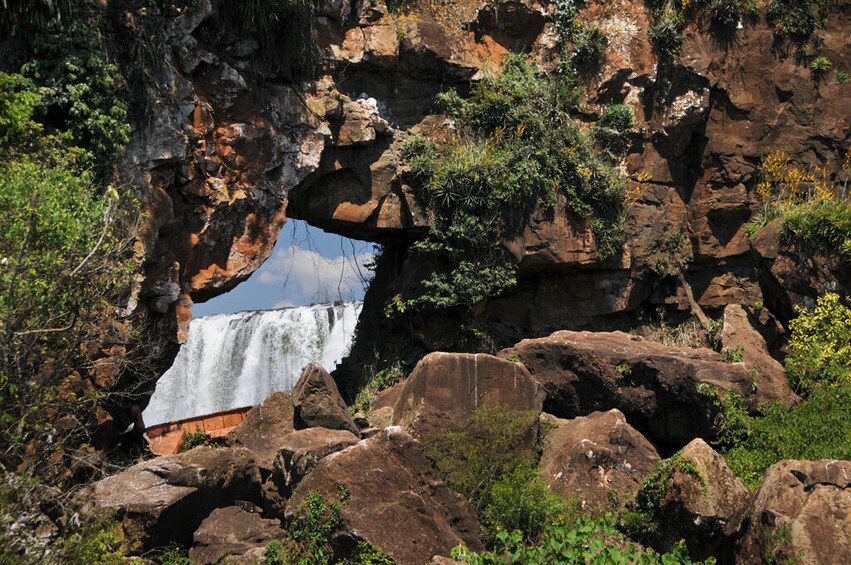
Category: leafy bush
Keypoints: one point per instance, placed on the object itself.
(667, 32)
(95, 544)
(194, 439)
(818, 428)
(520, 500)
(820, 66)
(795, 18)
(613, 130)
(381, 380)
(730, 11)
(311, 530)
(587, 541)
(518, 149)
(820, 345)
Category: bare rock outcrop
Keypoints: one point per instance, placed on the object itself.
(318, 403)
(654, 385)
(445, 389)
(393, 500)
(599, 458)
(164, 500)
(740, 333)
(231, 532)
(299, 454)
(700, 497)
(801, 513)
(264, 428)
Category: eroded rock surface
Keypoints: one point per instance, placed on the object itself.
(702, 496)
(445, 389)
(393, 500)
(317, 402)
(655, 386)
(232, 532)
(164, 500)
(600, 459)
(800, 511)
(264, 428)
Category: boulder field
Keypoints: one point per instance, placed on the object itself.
(230, 502)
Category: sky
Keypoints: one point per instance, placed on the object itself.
(307, 266)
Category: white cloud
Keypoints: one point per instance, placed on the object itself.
(306, 276)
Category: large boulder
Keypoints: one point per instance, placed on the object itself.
(740, 333)
(698, 497)
(299, 453)
(600, 459)
(657, 387)
(264, 428)
(164, 500)
(318, 403)
(445, 389)
(230, 532)
(801, 513)
(393, 500)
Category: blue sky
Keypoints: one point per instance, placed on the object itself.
(306, 266)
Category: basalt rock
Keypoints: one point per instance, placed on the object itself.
(393, 500)
(800, 512)
(164, 500)
(701, 496)
(264, 428)
(232, 532)
(658, 388)
(318, 403)
(599, 459)
(445, 389)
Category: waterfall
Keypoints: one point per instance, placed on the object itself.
(235, 360)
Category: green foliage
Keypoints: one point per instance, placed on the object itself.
(732, 420)
(194, 439)
(581, 44)
(492, 463)
(667, 32)
(818, 428)
(520, 500)
(824, 225)
(34, 16)
(730, 11)
(796, 18)
(367, 554)
(734, 354)
(381, 380)
(174, 555)
(274, 553)
(95, 544)
(640, 520)
(19, 101)
(311, 531)
(820, 346)
(586, 541)
(518, 150)
(820, 66)
(841, 76)
(78, 92)
(614, 129)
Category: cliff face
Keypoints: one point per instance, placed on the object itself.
(228, 150)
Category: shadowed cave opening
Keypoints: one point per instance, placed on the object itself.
(302, 305)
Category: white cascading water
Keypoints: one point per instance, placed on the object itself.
(236, 360)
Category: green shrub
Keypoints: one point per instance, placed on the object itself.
(274, 553)
(841, 76)
(381, 380)
(667, 32)
(367, 554)
(475, 459)
(194, 439)
(311, 530)
(820, 66)
(518, 150)
(520, 500)
(19, 100)
(586, 541)
(734, 354)
(795, 18)
(818, 428)
(94, 544)
(730, 11)
(174, 555)
(820, 345)
(613, 130)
